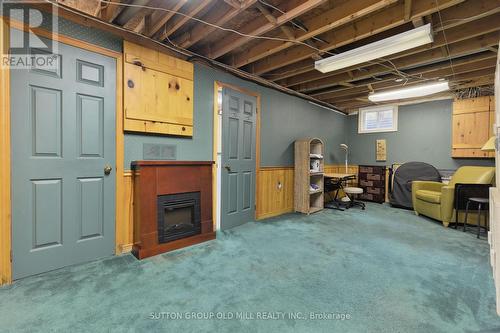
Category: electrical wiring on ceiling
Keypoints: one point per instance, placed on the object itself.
(286, 40)
(445, 39)
(392, 68)
(197, 57)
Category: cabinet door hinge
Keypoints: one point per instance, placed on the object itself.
(11, 256)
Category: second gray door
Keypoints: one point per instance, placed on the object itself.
(238, 158)
(63, 138)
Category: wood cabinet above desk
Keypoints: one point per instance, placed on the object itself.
(472, 126)
(158, 92)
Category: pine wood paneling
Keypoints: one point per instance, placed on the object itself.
(125, 225)
(273, 200)
(480, 104)
(158, 92)
(472, 126)
(121, 185)
(5, 200)
(274, 191)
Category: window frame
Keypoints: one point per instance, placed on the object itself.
(378, 108)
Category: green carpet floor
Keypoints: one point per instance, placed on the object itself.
(379, 270)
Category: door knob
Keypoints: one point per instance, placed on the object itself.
(107, 169)
(227, 167)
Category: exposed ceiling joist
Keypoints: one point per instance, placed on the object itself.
(465, 32)
(315, 80)
(467, 11)
(179, 20)
(407, 14)
(257, 28)
(458, 18)
(269, 16)
(354, 106)
(337, 16)
(455, 79)
(110, 11)
(462, 49)
(163, 17)
(217, 17)
(462, 65)
(362, 28)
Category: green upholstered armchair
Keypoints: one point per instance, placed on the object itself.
(435, 200)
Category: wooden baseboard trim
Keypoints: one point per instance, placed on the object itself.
(126, 248)
(274, 214)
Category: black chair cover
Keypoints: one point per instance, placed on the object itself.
(400, 195)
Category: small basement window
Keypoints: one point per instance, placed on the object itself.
(378, 119)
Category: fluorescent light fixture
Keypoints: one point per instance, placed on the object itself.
(398, 43)
(410, 92)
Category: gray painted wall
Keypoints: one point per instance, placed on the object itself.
(424, 134)
(424, 129)
(284, 119)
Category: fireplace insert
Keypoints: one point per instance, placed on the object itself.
(178, 216)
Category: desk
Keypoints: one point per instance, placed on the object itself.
(340, 176)
(339, 179)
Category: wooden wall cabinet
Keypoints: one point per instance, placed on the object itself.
(472, 126)
(158, 92)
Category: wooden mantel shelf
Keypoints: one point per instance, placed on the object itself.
(136, 164)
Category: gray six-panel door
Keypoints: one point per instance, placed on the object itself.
(238, 158)
(63, 137)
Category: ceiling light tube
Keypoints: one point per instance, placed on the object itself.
(410, 92)
(398, 43)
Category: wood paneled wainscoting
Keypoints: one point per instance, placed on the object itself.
(275, 188)
(275, 191)
(274, 197)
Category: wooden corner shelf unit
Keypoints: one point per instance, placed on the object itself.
(309, 168)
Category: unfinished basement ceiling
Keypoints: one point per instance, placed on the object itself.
(289, 35)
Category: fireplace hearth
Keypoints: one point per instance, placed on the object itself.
(178, 216)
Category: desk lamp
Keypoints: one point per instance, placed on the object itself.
(345, 147)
